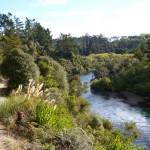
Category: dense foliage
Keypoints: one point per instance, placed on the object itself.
(36, 40)
(126, 72)
(55, 114)
(52, 73)
(54, 120)
(100, 44)
(136, 79)
(19, 68)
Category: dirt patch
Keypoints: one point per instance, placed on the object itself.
(7, 142)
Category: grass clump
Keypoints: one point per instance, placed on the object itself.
(53, 116)
(131, 130)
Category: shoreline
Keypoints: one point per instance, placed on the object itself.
(134, 99)
(128, 98)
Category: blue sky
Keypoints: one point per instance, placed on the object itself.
(107, 17)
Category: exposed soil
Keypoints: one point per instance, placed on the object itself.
(7, 142)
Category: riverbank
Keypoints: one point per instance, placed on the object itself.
(127, 97)
(115, 107)
(134, 100)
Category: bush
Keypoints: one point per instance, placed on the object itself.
(67, 64)
(95, 122)
(19, 67)
(131, 130)
(107, 124)
(53, 74)
(75, 86)
(53, 116)
(76, 105)
(103, 84)
(47, 76)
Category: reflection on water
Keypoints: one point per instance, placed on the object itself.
(110, 106)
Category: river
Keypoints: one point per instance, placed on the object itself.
(110, 106)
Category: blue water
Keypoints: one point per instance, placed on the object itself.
(110, 106)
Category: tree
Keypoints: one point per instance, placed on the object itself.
(29, 24)
(103, 84)
(9, 43)
(18, 27)
(46, 75)
(18, 67)
(6, 24)
(75, 86)
(43, 37)
(66, 46)
(53, 74)
(32, 48)
(101, 71)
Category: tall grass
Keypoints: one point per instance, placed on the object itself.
(54, 120)
(24, 101)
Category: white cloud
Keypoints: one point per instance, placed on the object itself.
(48, 2)
(131, 20)
(58, 14)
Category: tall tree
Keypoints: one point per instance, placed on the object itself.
(29, 24)
(9, 43)
(66, 47)
(18, 27)
(43, 37)
(6, 24)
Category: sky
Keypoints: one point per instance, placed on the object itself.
(78, 17)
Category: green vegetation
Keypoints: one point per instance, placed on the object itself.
(103, 84)
(54, 120)
(75, 86)
(18, 67)
(55, 114)
(52, 73)
(127, 72)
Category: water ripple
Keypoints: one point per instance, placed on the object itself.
(112, 108)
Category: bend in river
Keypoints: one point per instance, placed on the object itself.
(112, 107)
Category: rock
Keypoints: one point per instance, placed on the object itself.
(132, 98)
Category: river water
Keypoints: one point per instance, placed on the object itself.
(110, 106)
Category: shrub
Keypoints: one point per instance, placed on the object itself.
(53, 116)
(19, 67)
(103, 84)
(67, 64)
(54, 125)
(47, 76)
(131, 130)
(95, 122)
(75, 86)
(76, 105)
(53, 73)
(107, 124)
